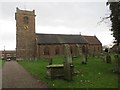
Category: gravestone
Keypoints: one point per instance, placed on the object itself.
(108, 58)
(67, 63)
(84, 59)
(117, 61)
(79, 49)
(83, 56)
(50, 61)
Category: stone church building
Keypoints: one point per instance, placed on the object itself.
(35, 45)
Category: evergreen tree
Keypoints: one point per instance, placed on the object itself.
(115, 19)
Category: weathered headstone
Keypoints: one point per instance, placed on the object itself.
(79, 49)
(68, 54)
(84, 61)
(67, 63)
(86, 57)
(83, 56)
(117, 61)
(108, 58)
(50, 61)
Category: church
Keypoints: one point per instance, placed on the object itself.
(30, 44)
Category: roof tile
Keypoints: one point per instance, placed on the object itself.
(60, 38)
(92, 40)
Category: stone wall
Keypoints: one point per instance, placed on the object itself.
(52, 49)
(91, 49)
(94, 49)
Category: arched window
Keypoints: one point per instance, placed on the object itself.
(57, 50)
(46, 51)
(25, 20)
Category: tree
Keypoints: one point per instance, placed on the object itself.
(115, 19)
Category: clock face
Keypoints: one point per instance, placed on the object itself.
(26, 27)
(25, 22)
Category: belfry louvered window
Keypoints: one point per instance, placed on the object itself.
(25, 20)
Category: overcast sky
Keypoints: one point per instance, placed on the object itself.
(57, 18)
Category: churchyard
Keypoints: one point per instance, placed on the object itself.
(96, 73)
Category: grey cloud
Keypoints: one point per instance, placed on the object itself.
(73, 14)
(7, 37)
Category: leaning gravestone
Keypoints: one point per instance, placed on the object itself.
(67, 63)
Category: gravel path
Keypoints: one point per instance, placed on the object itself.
(15, 76)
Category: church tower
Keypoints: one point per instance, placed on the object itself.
(25, 34)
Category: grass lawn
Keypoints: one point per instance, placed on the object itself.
(1, 62)
(95, 74)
